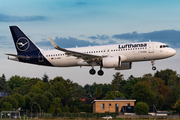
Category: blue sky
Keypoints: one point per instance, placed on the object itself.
(89, 22)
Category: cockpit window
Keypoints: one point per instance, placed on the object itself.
(164, 46)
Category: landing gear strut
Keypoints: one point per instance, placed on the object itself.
(92, 71)
(153, 67)
(100, 72)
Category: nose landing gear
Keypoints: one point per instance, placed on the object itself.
(153, 67)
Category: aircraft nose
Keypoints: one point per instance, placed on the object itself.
(173, 52)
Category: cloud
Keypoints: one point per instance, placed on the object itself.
(166, 36)
(100, 37)
(67, 42)
(7, 18)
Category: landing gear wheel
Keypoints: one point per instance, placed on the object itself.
(100, 72)
(153, 68)
(92, 71)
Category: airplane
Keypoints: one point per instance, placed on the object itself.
(117, 56)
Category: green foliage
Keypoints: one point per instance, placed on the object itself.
(6, 106)
(76, 106)
(27, 99)
(10, 100)
(79, 91)
(87, 108)
(49, 95)
(57, 102)
(20, 99)
(116, 81)
(40, 99)
(39, 87)
(52, 109)
(177, 106)
(45, 78)
(16, 81)
(160, 102)
(58, 110)
(141, 108)
(58, 90)
(143, 93)
(3, 83)
(66, 109)
(111, 95)
(169, 76)
(162, 89)
(99, 92)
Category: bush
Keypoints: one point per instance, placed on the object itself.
(141, 108)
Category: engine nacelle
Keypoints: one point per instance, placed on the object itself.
(113, 61)
(124, 66)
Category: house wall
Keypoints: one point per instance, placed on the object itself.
(107, 108)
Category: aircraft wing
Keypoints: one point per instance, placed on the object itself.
(79, 55)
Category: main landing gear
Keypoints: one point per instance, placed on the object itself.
(92, 71)
(153, 67)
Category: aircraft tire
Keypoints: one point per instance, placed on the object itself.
(100, 72)
(153, 68)
(92, 71)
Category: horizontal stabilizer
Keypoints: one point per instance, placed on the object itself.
(18, 56)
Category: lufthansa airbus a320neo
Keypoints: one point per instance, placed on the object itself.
(118, 56)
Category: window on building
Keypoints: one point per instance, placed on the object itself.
(102, 106)
(2, 94)
(109, 104)
(117, 105)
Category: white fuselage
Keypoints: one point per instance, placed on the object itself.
(133, 52)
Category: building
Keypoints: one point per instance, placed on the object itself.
(102, 106)
(2, 94)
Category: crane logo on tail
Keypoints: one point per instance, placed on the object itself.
(22, 44)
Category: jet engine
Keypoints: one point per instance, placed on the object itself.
(113, 61)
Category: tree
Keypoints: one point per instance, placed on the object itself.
(99, 92)
(20, 99)
(169, 76)
(3, 83)
(66, 109)
(15, 82)
(58, 90)
(111, 95)
(6, 106)
(56, 102)
(160, 102)
(143, 93)
(39, 87)
(177, 106)
(128, 90)
(52, 109)
(49, 95)
(45, 78)
(141, 108)
(76, 105)
(42, 100)
(27, 99)
(10, 100)
(116, 81)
